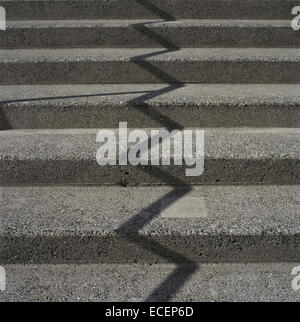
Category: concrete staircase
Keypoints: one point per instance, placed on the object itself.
(72, 230)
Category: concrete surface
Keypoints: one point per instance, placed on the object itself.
(192, 240)
(69, 156)
(166, 9)
(94, 224)
(149, 33)
(152, 65)
(136, 282)
(149, 105)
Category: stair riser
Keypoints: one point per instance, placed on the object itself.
(206, 71)
(149, 36)
(167, 9)
(149, 249)
(89, 172)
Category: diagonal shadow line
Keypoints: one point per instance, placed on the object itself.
(151, 112)
(139, 60)
(69, 97)
(130, 229)
(166, 290)
(135, 103)
(153, 8)
(141, 27)
(178, 277)
(180, 192)
(141, 99)
(155, 71)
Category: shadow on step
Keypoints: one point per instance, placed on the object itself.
(101, 248)
(4, 123)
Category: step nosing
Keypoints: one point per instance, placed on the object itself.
(154, 54)
(151, 22)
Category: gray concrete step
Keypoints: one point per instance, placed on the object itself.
(152, 65)
(69, 156)
(149, 33)
(94, 224)
(142, 282)
(164, 9)
(149, 105)
(77, 227)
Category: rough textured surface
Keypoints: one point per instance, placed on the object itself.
(58, 67)
(166, 9)
(149, 105)
(149, 33)
(152, 65)
(69, 156)
(114, 224)
(134, 282)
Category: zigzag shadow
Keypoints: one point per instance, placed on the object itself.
(173, 283)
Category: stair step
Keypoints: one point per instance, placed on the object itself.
(164, 9)
(149, 105)
(204, 65)
(94, 224)
(73, 230)
(149, 33)
(144, 282)
(69, 156)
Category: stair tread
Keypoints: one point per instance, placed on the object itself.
(149, 54)
(240, 210)
(123, 94)
(220, 143)
(141, 282)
